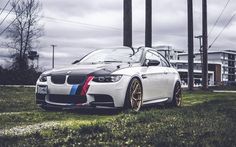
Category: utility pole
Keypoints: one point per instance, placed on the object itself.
(200, 51)
(190, 44)
(205, 45)
(53, 47)
(148, 24)
(127, 34)
(200, 48)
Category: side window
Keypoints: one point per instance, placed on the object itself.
(152, 56)
(164, 62)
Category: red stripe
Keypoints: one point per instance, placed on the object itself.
(86, 86)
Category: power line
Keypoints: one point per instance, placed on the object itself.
(8, 13)
(92, 26)
(14, 19)
(226, 25)
(4, 7)
(83, 24)
(8, 26)
(6, 16)
(217, 20)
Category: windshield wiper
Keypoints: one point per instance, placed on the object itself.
(135, 52)
(76, 61)
(132, 50)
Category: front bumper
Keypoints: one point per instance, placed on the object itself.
(99, 95)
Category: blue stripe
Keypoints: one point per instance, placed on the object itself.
(74, 89)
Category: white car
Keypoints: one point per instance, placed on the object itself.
(111, 78)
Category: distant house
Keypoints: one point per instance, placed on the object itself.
(214, 74)
(221, 65)
(227, 60)
(169, 52)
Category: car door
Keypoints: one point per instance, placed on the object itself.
(153, 78)
(169, 77)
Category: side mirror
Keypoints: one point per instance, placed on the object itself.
(152, 62)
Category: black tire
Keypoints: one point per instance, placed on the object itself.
(134, 95)
(177, 96)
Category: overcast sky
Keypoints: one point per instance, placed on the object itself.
(83, 25)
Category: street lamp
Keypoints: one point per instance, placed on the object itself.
(53, 47)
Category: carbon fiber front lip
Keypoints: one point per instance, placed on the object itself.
(69, 107)
(65, 104)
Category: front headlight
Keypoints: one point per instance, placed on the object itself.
(110, 78)
(43, 78)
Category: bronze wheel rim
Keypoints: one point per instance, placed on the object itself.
(136, 95)
(178, 95)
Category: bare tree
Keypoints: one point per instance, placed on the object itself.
(24, 32)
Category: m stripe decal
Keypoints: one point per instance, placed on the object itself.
(74, 89)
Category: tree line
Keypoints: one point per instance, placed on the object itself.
(22, 38)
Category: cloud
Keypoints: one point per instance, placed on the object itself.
(4, 53)
(82, 26)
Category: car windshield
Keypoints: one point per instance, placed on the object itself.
(113, 55)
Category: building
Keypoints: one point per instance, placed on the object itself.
(169, 52)
(221, 65)
(214, 76)
(226, 58)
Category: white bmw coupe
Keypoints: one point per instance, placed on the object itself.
(111, 78)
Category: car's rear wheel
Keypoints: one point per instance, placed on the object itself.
(134, 95)
(177, 96)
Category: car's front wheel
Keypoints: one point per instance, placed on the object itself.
(134, 95)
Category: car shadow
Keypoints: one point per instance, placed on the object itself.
(154, 106)
(107, 111)
(94, 111)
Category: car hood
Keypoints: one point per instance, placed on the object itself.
(89, 69)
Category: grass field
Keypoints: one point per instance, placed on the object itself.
(206, 119)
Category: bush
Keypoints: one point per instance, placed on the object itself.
(18, 77)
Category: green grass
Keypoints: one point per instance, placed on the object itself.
(17, 99)
(205, 119)
(18, 108)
